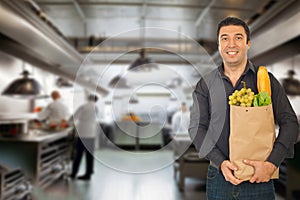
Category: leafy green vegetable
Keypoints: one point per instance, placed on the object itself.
(268, 101)
(255, 101)
(262, 99)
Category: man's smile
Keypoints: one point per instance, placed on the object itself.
(232, 52)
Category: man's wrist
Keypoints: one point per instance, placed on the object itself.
(271, 165)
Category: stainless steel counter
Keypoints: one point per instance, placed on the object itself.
(36, 135)
(17, 116)
(44, 156)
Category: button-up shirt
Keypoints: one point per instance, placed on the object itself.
(283, 114)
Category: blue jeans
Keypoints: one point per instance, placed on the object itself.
(217, 188)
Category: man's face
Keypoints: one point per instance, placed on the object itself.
(183, 108)
(233, 45)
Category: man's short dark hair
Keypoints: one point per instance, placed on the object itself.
(236, 22)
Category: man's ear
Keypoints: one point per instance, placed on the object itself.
(249, 44)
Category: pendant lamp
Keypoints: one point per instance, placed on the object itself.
(140, 64)
(23, 87)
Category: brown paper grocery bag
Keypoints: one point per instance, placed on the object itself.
(252, 135)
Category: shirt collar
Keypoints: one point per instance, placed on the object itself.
(249, 66)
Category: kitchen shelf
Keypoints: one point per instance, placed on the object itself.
(128, 135)
(44, 158)
(50, 178)
(14, 185)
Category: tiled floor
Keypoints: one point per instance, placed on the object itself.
(110, 182)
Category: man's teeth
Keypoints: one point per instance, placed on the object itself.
(232, 53)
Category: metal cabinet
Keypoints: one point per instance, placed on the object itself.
(14, 185)
(137, 135)
(44, 157)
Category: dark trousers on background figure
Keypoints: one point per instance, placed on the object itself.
(84, 145)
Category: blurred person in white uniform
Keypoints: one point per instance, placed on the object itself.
(87, 127)
(181, 120)
(55, 112)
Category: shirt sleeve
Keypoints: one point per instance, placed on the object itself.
(216, 156)
(199, 121)
(286, 119)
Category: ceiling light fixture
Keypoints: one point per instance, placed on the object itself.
(23, 87)
(143, 63)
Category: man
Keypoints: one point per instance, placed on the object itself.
(55, 112)
(181, 120)
(85, 120)
(209, 125)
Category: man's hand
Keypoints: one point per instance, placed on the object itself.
(263, 170)
(227, 169)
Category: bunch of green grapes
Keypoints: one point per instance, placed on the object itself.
(243, 97)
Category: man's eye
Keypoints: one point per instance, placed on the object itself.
(239, 38)
(224, 39)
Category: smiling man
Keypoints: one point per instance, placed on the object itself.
(210, 119)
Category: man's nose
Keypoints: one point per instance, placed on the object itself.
(231, 42)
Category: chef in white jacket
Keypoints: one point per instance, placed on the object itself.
(181, 120)
(56, 111)
(87, 127)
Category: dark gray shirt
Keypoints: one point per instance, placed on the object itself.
(201, 116)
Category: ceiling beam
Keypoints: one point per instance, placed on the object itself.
(123, 3)
(287, 50)
(22, 52)
(276, 34)
(35, 34)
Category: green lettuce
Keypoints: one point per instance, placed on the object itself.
(262, 99)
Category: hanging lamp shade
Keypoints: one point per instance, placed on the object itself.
(133, 100)
(139, 62)
(24, 86)
(142, 63)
